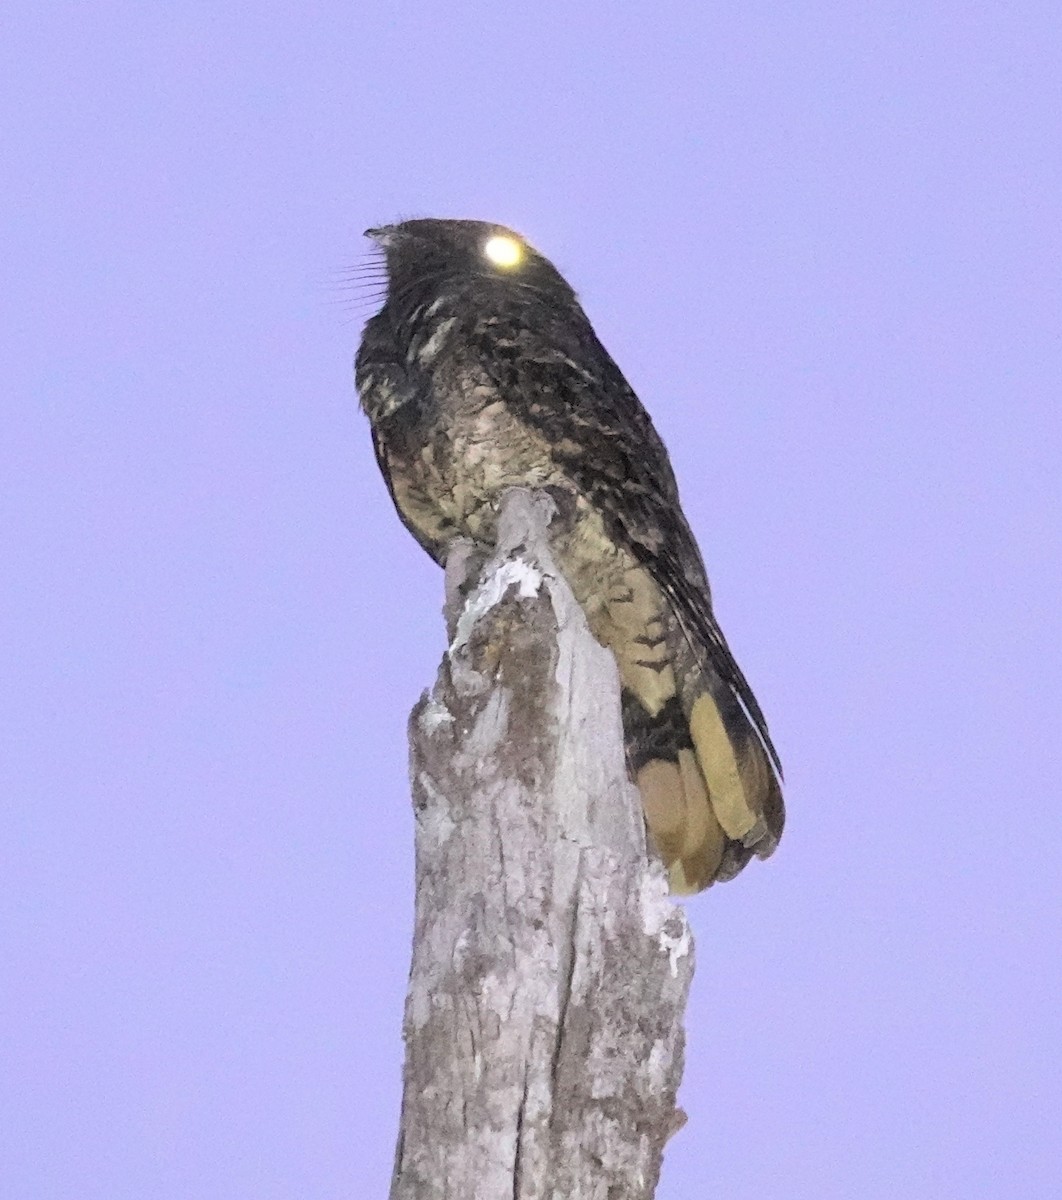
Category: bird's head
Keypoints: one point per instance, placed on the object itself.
(427, 258)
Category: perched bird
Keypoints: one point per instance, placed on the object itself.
(481, 372)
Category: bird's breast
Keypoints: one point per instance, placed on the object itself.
(449, 478)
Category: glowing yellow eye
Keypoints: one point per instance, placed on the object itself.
(503, 251)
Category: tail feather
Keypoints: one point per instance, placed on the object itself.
(742, 781)
(664, 801)
(711, 796)
(681, 821)
(704, 845)
(717, 757)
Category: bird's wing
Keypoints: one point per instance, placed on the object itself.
(604, 440)
(415, 513)
(398, 404)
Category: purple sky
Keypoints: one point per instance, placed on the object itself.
(823, 241)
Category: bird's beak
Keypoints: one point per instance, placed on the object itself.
(381, 235)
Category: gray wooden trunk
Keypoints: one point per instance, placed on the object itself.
(543, 1025)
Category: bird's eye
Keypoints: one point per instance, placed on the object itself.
(503, 251)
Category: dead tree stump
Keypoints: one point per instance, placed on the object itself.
(543, 1025)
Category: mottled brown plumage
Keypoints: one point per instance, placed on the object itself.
(481, 372)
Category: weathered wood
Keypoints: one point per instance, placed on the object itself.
(543, 1026)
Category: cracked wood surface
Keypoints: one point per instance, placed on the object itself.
(543, 1024)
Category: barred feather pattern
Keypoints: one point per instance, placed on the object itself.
(476, 379)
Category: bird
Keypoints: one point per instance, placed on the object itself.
(481, 372)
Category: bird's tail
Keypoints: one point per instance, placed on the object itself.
(711, 794)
